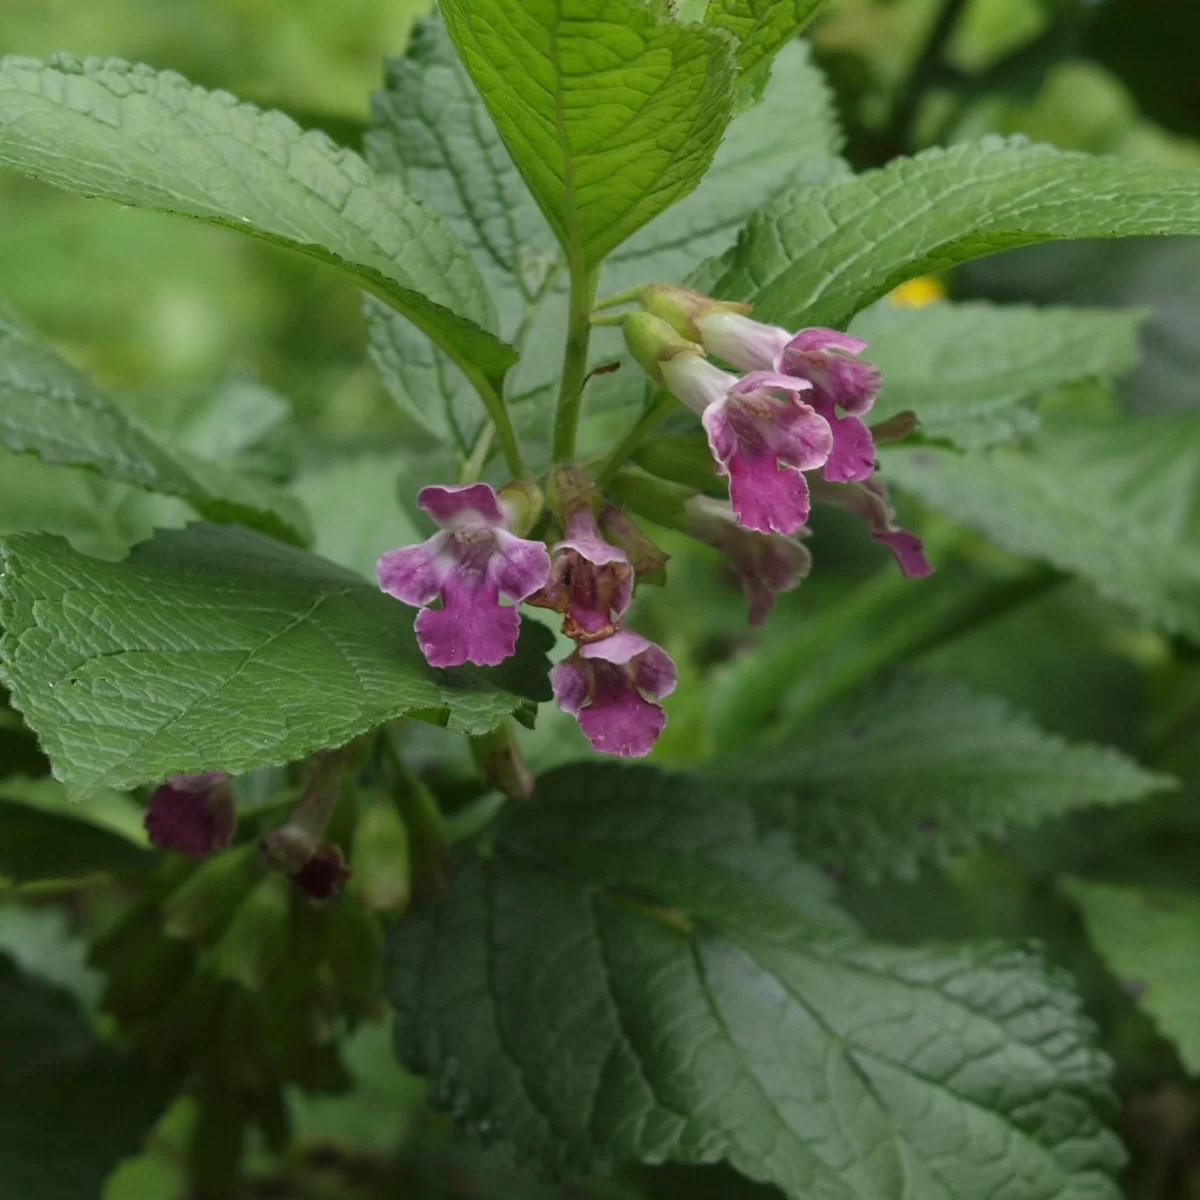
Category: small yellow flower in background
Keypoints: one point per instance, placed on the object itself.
(917, 293)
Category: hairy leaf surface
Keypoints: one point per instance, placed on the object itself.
(214, 648)
(969, 370)
(922, 768)
(610, 111)
(632, 972)
(824, 252)
(151, 139)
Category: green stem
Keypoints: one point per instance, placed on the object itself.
(574, 370)
(498, 411)
(473, 467)
(626, 297)
(651, 418)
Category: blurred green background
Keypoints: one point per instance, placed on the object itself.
(161, 310)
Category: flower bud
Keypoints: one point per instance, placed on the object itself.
(680, 307)
(382, 870)
(498, 756)
(253, 945)
(354, 948)
(652, 342)
(655, 499)
(649, 562)
(194, 814)
(522, 502)
(429, 845)
(205, 902)
(681, 457)
(323, 875)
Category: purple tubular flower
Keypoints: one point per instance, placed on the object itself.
(469, 564)
(826, 359)
(604, 686)
(766, 562)
(194, 814)
(870, 500)
(761, 441)
(590, 581)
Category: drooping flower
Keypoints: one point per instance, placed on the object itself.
(323, 875)
(591, 582)
(761, 434)
(470, 563)
(194, 814)
(870, 500)
(605, 686)
(843, 387)
(767, 563)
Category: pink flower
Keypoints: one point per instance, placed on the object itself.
(826, 359)
(194, 814)
(767, 563)
(469, 564)
(604, 685)
(870, 500)
(763, 441)
(590, 581)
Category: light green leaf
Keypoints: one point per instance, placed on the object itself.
(632, 973)
(824, 252)
(790, 137)
(113, 812)
(922, 768)
(432, 130)
(49, 409)
(968, 370)
(1150, 938)
(611, 112)
(97, 517)
(356, 510)
(40, 941)
(1081, 505)
(153, 140)
(37, 846)
(70, 1107)
(762, 28)
(215, 648)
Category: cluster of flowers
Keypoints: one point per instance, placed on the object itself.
(475, 559)
(797, 409)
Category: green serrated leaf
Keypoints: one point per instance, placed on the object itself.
(922, 768)
(1076, 502)
(824, 252)
(611, 113)
(216, 648)
(791, 137)
(153, 140)
(969, 370)
(762, 28)
(49, 409)
(432, 130)
(1150, 938)
(70, 1107)
(633, 973)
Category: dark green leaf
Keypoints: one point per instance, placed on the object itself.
(70, 1107)
(215, 648)
(1150, 937)
(153, 140)
(922, 768)
(967, 370)
(1116, 506)
(632, 973)
(824, 252)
